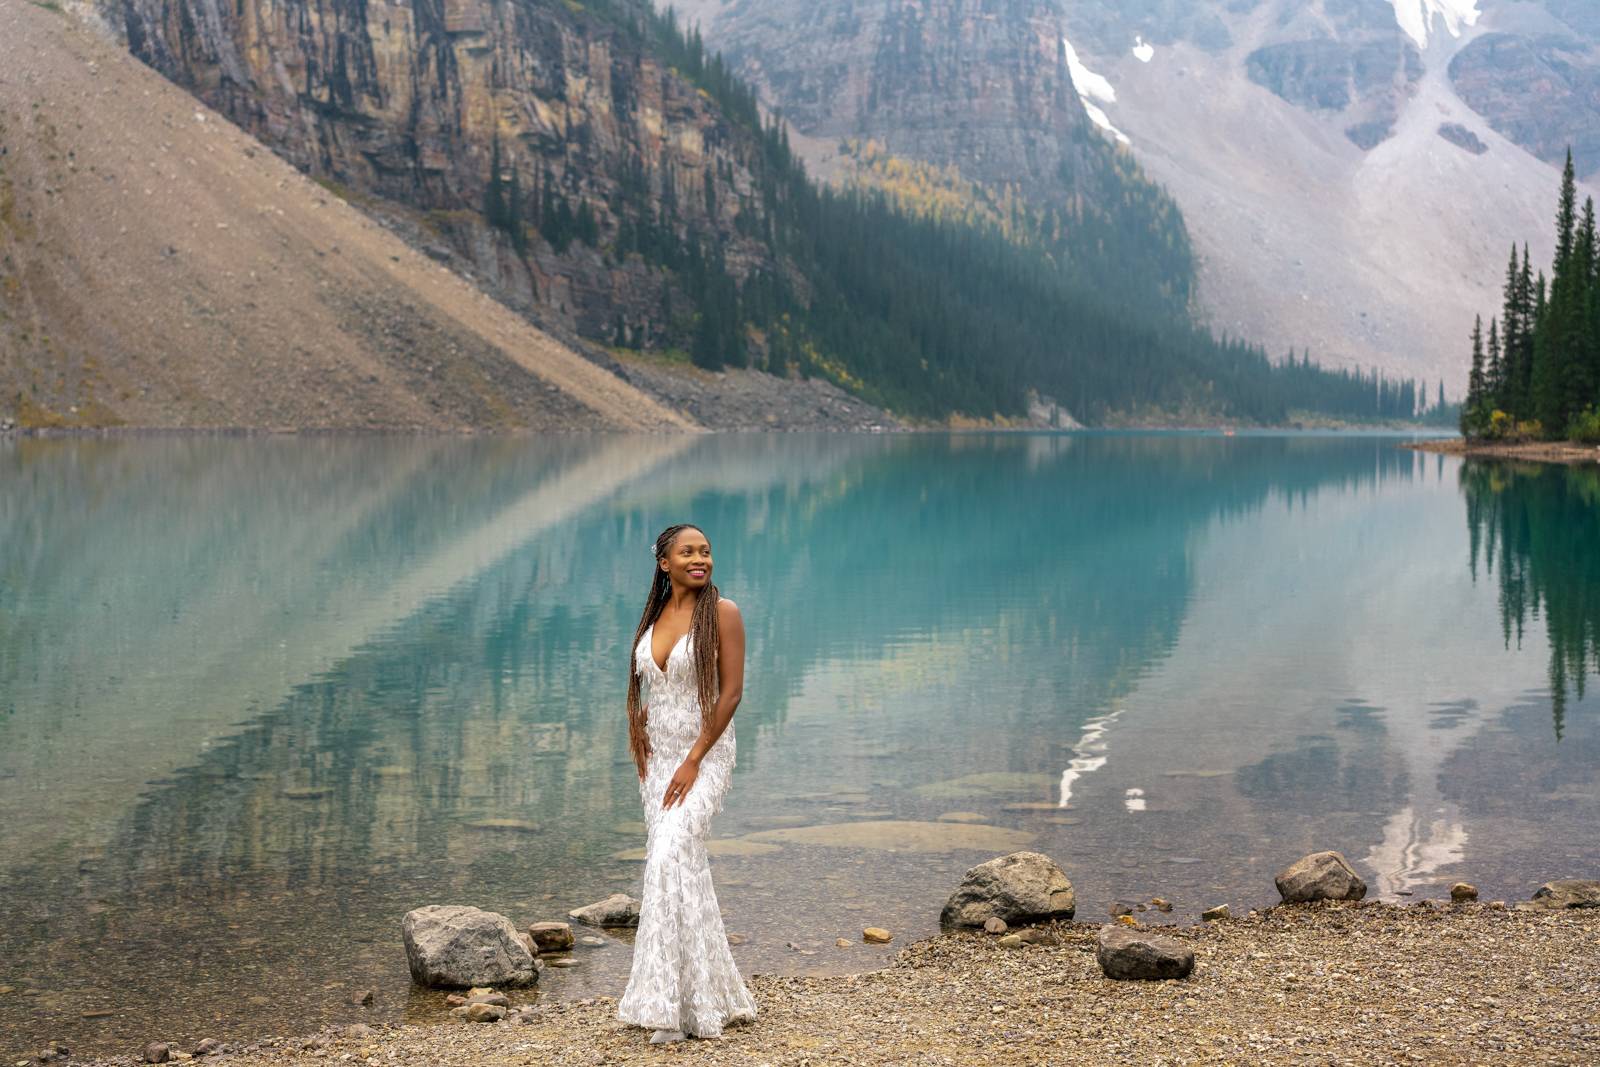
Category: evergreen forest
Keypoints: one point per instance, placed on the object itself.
(1535, 375)
(940, 315)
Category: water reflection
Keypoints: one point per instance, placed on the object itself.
(265, 696)
(1535, 530)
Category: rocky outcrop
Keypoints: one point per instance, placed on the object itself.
(1023, 887)
(456, 946)
(1365, 79)
(1541, 91)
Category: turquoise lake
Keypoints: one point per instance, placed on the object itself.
(261, 696)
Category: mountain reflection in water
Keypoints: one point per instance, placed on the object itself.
(260, 697)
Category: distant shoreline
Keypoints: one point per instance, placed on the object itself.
(1531, 451)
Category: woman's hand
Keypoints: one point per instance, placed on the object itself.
(682, 780)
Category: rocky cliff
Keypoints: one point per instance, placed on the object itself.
(160, 268)
(531, 139)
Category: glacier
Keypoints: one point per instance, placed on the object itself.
(1092, 87)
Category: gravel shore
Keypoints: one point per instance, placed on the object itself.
(1534, 451)
(1324, 983)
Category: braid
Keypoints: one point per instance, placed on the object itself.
(703, 639)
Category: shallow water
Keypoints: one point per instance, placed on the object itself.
(259, 697)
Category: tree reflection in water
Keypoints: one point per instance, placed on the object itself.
(1536, 531)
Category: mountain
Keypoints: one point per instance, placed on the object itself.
(1352, 173)
(159, 267)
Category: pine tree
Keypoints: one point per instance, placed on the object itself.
(1555, 379)
(1471, 424)
(1493, 372)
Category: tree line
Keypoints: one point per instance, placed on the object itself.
(1536, 374)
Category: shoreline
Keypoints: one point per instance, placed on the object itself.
(1348, 982)
(1530, 451)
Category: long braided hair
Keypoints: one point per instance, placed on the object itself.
(703, 638)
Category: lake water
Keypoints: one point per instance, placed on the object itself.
(259, 697)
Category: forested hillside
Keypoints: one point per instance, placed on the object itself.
(597, 168)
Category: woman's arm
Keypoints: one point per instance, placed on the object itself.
(730, 690)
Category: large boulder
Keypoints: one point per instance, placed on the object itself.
(618, 909)
(453, 946)
(1320, 876)
(1568, 893)
(1128, 954)
(1020, 888)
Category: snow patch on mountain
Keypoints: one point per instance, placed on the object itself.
(1093, 89)
(1416, 17)
(1143, 51)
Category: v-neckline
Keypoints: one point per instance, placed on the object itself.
(650, 649)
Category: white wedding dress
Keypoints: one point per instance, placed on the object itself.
(683, 977)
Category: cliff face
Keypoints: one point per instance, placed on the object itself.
(416, 103)
(159, 268)
(979, 84)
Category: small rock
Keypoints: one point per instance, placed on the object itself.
(551, 936)
(1160, 905)
(1034, 936)
(1320, 876)
(157, 1052)
(207, 1046)
(1212, 915)
(479, 991)
(1137, 955)
(737, 939)
(1020, 888)
(497, 999)
(456, 1000)
(1497, 905)
(844, 942)
(877, 935)
(485, 1013)
(994, 925)
(358, 1031)
(1116, 911)
(564, 961)
(1463, 891)
(592, 941)
(364, 998)
(1010, 941)
(1568, 893)
(618, 909)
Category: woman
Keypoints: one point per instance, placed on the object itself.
(689, 647)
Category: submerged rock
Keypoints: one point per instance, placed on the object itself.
(1320, 876)
(452, 946)
(877, 935)
(618, 909)
(551, 936)
(1023, 887)
(1125, 954)
(899, 835)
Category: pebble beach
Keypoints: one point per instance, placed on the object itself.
(1322, 983)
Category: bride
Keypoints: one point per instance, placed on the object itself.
(689, 648)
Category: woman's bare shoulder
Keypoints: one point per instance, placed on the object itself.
(727, 609)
